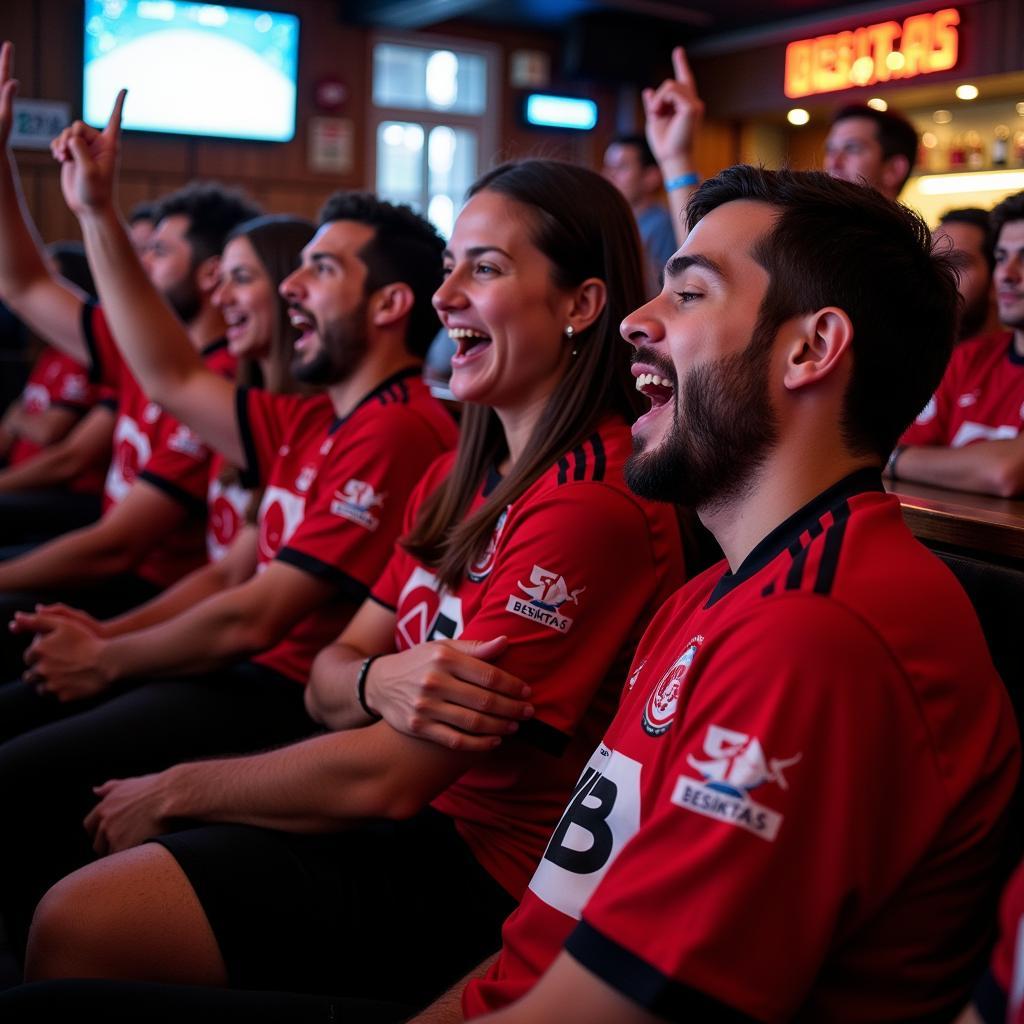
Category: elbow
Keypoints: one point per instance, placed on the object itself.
(1007, 479)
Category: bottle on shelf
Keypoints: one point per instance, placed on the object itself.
(1001, 146)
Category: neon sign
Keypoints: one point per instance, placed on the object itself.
(923, 44)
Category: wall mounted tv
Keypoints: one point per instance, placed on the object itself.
(192, 68)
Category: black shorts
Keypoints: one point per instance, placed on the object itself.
(386, 910)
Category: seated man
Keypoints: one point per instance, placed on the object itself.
(966, 437)
(796, 813)
(871, 147)
(969, 232)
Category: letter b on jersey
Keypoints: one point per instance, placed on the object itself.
(602, 816)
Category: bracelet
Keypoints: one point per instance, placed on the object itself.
(891, 464)
(682, 181)
(364, 671)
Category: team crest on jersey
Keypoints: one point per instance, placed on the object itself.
(357, 502)
(733, 764)
(305, 479)
(185, 442)
(547, 593)
(35, 398)
(75, 388)
(660, 709)
(481, 568)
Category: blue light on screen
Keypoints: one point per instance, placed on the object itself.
(192, 68)
(561, 112)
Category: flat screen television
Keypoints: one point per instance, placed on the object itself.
(192, 68)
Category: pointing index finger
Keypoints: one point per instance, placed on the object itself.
(114, 124)
(6, 59)
(681, 66)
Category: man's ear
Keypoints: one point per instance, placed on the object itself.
(207, 275)
(391, 303)
(818, 346)
(588, 300)
(894, 172)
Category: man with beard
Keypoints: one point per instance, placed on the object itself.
(335, 470)
(968, 231)
(968, 435)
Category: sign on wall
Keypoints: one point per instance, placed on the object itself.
(921, 45)
(37, 122)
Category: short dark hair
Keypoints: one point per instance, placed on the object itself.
(838, 244)
(896, 135)
(73, 265)
(141, 211)
(405, 247)
(639, 143)
(212, 211)
(1010, 209)
(980, 219)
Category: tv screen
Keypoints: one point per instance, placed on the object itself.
(191, 68)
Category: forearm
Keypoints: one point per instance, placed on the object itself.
(49, 468)
(184, 595)
(21, 259)
(318, 785)
(208, 635)
(151, 338)
(988, 467)
(331, 694)
(672, 169)
(89, 555)
(44, 428)
(447, 1009)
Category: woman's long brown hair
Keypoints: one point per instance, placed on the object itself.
(584, 227)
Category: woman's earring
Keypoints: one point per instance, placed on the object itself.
(570, 331)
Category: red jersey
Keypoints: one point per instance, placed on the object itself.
(1005, 1003)
(980, 397)
(575, 568)
(795, 815)
(58, 381)
(227, 505)
(335, 492)
(151, 445)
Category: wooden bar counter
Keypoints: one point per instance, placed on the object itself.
(990, 528)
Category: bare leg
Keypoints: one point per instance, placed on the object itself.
(133, 915)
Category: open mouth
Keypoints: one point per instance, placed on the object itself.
(468, 343)
(304, 324)
(656, 388)
(235, 323)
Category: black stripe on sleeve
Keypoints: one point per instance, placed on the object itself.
(249, 475)
(580, 458)
(599, 456)
(815, 528)
(563, 469)
(348, 588)
(638, 980)
(376, 600)
(543, 736)
(769, 589)
(95, 363)
(833, 544)
(195, 505)
(110, 402)
(60, 403)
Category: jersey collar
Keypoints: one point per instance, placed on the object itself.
(388, 382)
(789, 530)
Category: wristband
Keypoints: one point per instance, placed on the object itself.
(891, 464)
(682, 181)
(364, 670)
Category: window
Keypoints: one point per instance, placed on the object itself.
(430, 126)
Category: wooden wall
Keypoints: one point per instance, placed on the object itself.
(47, 37)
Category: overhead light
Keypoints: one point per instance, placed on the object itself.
(929, 140)
(895, 61)
(877, 103)
(942, 117)
(990, 181)
(966, 92)
(1020, 109)
(798, 116)
(561, 112)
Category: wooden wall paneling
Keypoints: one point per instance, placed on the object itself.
(18, 24)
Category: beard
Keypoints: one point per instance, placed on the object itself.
(723, 428)
(184, 298)
(343, 346)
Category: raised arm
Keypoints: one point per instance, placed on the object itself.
(152, 339)
(51, 306)
(674, 112)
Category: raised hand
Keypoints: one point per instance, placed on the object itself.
(674, 112)
(447, 692)
(8, 87)
(88, 159)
